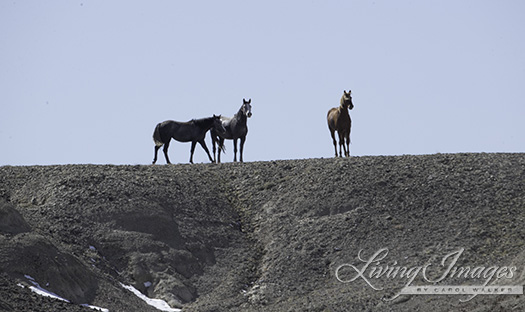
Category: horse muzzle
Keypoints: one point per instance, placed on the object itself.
(249, 115)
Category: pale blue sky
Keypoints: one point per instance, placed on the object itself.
(87, 81)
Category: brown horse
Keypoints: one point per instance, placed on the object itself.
(339, 120)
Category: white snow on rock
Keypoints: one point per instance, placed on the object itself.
(157, 303)
(46, 293)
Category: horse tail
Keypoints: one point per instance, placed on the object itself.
(156, 136)
(216, 139)
(222, 148)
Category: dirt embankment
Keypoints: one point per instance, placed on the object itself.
(260, 236)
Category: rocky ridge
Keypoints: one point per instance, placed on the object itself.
(261, 236)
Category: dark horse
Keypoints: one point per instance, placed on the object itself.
(193, 130)
(339, 120)
(236, 128)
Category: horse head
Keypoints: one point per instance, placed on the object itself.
(217, 124)
(346, 99)
(247, 107)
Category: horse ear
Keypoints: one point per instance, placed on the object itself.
(250, 100)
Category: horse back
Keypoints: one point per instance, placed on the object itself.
(180, 131)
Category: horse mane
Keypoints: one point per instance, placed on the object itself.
(342, 101)
(239, 114)
(202, 121)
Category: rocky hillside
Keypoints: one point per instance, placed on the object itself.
(264, 236)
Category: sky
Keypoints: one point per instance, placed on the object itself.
(85, 82)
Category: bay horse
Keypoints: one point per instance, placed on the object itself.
(236, 128)
(339, 120)
(192, 131)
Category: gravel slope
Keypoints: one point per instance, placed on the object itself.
(261, 236)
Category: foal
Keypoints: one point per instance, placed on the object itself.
(339, 120)
(193, 130)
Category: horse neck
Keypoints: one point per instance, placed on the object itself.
(343, 109)
(240, 115)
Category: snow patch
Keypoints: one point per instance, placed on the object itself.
(41, 291)
(94, 307)
(46, 293)
(157, 303)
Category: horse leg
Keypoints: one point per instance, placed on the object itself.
(221, 144)
(241, 148)
(347, 145)
(342, 147)
(166, 146)
(193, 143)
(213, 146)
(332, 132)
(234, 149)
(203, 144)
(156, 150)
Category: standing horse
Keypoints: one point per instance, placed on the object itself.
(236, 128)
(339, 120)
(193, 130)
